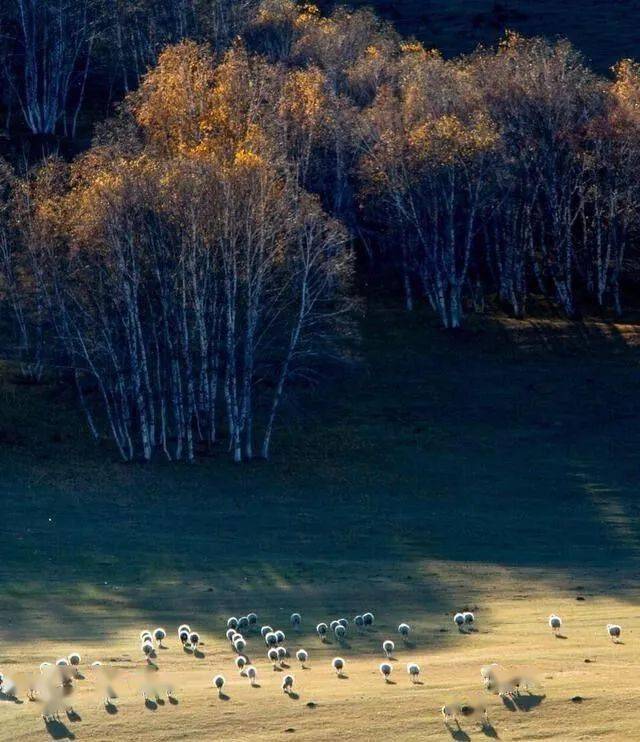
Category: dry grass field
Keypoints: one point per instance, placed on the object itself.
(495, 470)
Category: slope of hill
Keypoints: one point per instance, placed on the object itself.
(603, 30)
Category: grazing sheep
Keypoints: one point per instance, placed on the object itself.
(232, 623)
(321, 630)
(147, 649)
(282, 654)
(184, 627)
(240, 663)
(487, 672)
(296, 620)
(614, 630)
(555, 623)
(458, 619)
(280, 636)
(340, 631)
(265, 630)
(271, 639)
(239, 645)
(343, 622)
(272, 655)
(404, 630)
(385, 670)
(450, 713)
(183, 635)
(302, 656)
(74, 659)
(243, 623)
(368, 619)
(253, 619)
(388, 646)
(338, 665)
(287, 683)
(231, 634)
(469, 619)
(194, 639)
(144, 635)
(413, 669)
(160, 635)
(252, 674)
(218, 681)
(333, 624)
(358, 621)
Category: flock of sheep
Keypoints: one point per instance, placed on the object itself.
(56, 680)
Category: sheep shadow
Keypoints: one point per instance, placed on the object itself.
(458, 733)
(561, 636)
(199, 654)
(528, 702)
(111, 708)
(9, 698)
(73, 715)
(293, 695)
(489, 730)
(388, 681)
(223, 696)
(343, 676)
(150, 705)
(173, 701)
(256, 685)
(57, 730)
(160, 701)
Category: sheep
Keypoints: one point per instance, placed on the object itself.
(63, 662)
(282, 654)
(358, 621)
(231, 633)
(487, 673)
(243, 623)
(144, 635)
(450, 713)
(272, 655)
(340, 631)
(287, 683)
(302, 656)
(252, 674)
(296, 620)
(147, 649)
(218, 682)
(343, 622)
(555, 623)
(240, 663)
(385, 670)
(271, 639)
(253, 619)
(404, 630)
(458, 619)
(413, 670)
(160, 635)
(469, 619)
(194, 639)
(183, 635)
(321, 630)
(235, 636)
(614, 630)
(45, 667)
(74, 659)
(239, 645)
(265, 630)
(368, 619)
(388, 646)
(184, 627)
(338, 665)
(280, 636)
(333, 624)
(232, 623)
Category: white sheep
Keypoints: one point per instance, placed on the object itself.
(296, 620)
(614, 630)
(458, 619)
(184, 627)
(340, 631)
(144, 635)
(183, 634)
(265, 630)
(271, 639)
(272, 655)
(469, 619)
(343, 622)
(338, 665)
(287, 683)
(239, 645)
(280, 636)
(231, 634)
(243, 623)
(368, 619)
(388, 646)
(252, 674)
(160, 635)
(413, 669)
(333, 624)
(555, 623)
(253, 619)
(240, 663)
(282, 654)
(404, 630)
(147, 649)
(302, 656)
(385, 670)
(358, 621)
(321, 630)
(74, 659)
(194, 639)
(218, 682)
(232, 622)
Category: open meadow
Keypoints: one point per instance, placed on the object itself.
(494, 469)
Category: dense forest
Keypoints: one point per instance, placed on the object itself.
(193, 193)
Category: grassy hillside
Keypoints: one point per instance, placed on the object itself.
(495, 468)
(604, 30)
